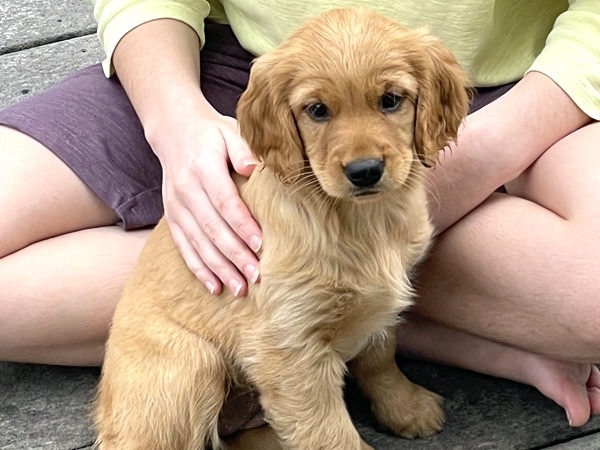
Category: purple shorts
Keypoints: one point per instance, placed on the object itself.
(89, 123)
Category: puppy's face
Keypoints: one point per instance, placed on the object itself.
(356, 123)
(355, 99)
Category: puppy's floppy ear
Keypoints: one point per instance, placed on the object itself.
(443, 101)
(265, 119)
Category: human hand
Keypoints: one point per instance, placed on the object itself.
(468, 171)
(211, 226)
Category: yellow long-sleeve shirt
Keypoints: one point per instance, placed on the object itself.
(496, 41)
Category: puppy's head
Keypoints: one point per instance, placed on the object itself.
(356, 99)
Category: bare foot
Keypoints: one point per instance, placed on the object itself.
(573, 386)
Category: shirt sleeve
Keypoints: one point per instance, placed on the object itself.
(117, 17)
(571, 56)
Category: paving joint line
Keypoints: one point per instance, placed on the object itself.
(81, 447)
(45, 41)
(564, 441)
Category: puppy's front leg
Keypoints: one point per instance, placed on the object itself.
(406, 408)
(301, 393)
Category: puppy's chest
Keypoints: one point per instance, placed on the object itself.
(346, 300)
(365, 310)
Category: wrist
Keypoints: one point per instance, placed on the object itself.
(174, 112)
(469, 170)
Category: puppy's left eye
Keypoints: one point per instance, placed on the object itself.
(390, 102)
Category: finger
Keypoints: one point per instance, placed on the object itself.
(193, 261)
(218, 246)
(241, 157)
(225, 198)
(198, 247)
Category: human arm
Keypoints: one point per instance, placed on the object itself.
(158, 64)
(497, 143)
(558, 95)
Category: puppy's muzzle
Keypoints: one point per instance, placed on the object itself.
(365, 173)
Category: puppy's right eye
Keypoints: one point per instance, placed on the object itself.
(318, 112)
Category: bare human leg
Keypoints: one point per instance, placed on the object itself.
(58, 295)
(62, 264)
(519, 277)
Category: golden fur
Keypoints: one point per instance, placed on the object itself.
(335, 266)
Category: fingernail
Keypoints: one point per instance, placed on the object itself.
(210, 287)
(251, 273)
(255, 243)
(235, 287)
(569, 418)
(250, 162)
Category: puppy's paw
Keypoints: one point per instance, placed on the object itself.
(416, 415)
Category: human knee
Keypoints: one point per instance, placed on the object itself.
(41, 197)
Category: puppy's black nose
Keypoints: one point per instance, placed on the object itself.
(364, 172)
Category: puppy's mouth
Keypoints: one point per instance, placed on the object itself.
(366, 192)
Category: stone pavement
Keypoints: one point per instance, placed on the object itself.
(46, 407)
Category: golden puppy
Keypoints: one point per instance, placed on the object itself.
(344, 115)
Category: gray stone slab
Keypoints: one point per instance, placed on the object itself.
(481, 413)
(29, 23)
(45, 407)
(591, 442)
(34, 70)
